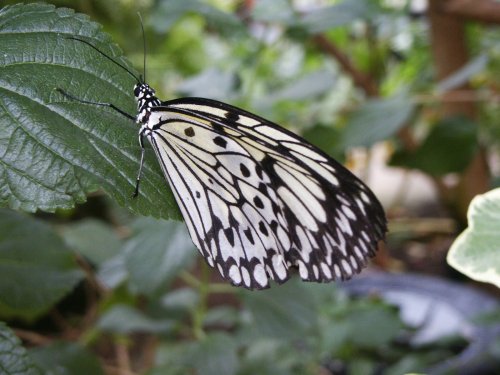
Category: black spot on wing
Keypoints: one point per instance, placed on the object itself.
(258, 170)
(263, 229)
(244, 170)
(221, 142)
(217, 127)
(258, 202)
(229, 235)
(232, 116)
(189, 132)
(248, 234)
(263, 188)
(274, 225)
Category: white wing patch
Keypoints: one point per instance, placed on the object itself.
(260, 201)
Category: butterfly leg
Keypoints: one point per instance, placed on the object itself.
(139, 174)
(112, 106)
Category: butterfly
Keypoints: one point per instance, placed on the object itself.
(258, 200)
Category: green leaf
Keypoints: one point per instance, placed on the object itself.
(273, 11)
(304, 88)
(463, 75)
(168, 12)
(376, 120)
(125, 319)
(36, 269)
(66, 358)
(272, 356)
(56, 150)
(13, 357)
(211, 83)
(327, 138)
(284, 311)
(156, 253)
(363, 333)
(475, 251)
(184, 299)
(326, 18)
(213, 355)
(93, 239)
(222, 316)
(113, 271)
(449, 147)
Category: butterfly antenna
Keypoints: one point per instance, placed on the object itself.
(106, 56)
(143, 45)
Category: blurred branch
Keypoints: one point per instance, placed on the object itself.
(32, 337)
(113, 370)
(458, 96)
(423, 226)
(477, 10)
(360, 79)
(122, 359)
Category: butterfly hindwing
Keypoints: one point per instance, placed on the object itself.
(259, 200)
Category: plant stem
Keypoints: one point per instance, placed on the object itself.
(201, 308)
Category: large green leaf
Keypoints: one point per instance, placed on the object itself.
(13, 357)
(36, 269)
(53, 150)
(475, 252)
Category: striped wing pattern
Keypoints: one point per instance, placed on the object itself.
(258, 200)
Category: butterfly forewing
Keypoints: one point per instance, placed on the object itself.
(258, 200)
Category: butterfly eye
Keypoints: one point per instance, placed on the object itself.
(137, 90)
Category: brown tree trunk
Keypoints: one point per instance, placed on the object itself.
(449, 50)
(487, 11)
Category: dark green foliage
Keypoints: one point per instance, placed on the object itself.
(36, 269)
(449, 147)
(66, 358)
(169, 250)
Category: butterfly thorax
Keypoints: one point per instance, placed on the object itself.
(146, 99)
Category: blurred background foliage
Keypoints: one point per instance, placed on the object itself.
(371, 82)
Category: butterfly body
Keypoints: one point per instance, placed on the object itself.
(257, 199)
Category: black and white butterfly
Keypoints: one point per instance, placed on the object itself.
(258, 200)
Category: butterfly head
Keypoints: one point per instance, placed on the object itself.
(146, 99)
